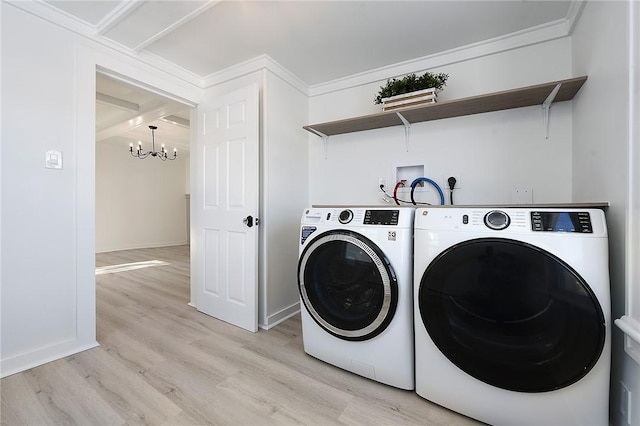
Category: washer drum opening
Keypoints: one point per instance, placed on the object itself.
(347, 285)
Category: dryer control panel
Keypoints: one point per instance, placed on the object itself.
(561, 222)
(542, 221)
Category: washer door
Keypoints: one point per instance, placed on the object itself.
(512, 315)
(347, 285)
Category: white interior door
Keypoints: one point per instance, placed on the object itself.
(227, 192)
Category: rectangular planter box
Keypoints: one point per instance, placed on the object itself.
(420, 97)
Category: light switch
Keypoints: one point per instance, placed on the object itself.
(53, 159)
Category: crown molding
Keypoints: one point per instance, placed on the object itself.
(538, 34)
(170, 67)
(55, 16)
(67, 21)
(573, 15)
(252, 65)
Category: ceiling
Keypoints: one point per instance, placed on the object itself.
(124, 113)
(317, 41)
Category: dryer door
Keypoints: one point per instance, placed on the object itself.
(347, 285)
(512, 315)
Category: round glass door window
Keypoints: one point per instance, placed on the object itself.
(347, 285)
(511, 315)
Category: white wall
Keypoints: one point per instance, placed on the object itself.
(48, 227)
(285, 171)
(139, 203)
(492, 154)
(39, 287)
(600, 155)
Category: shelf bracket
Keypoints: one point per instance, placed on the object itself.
(407, 129)
(546, 107)
(324, 137)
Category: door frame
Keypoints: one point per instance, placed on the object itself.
(91, 60)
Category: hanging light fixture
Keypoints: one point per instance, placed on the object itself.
(162, 154)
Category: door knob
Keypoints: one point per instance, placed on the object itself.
(248, 221)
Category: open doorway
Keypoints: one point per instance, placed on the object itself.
(141, 205)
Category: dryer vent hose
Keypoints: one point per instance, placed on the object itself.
(425, 179)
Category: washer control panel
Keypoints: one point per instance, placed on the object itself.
(381, 217)
(369, 221)
(359, 216)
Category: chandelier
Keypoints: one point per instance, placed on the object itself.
(162, 154)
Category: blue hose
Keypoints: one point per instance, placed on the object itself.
(424, 179)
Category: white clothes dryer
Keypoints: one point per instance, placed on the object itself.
(512, 314)
(356, 290)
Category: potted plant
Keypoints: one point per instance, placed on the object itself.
(411, 90)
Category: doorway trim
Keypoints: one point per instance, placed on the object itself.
(89, 61)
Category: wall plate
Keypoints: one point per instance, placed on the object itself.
(53, 159)
(410, 173)
(522, 196)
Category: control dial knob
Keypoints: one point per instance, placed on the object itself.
(497, 219)
(345, 216)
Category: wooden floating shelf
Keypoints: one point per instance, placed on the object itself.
(508, 99)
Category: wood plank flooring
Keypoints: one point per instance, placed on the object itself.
(160, 362)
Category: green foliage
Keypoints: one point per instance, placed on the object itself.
(411, 83)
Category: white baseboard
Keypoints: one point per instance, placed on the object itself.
(142, 246)
(280, 316)
(42, 356)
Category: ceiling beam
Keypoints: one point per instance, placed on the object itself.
(167, 30)
(152, 114)
(124, 9)
(116, 102)
(178, 121)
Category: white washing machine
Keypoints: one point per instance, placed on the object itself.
(512, 314)
(356, 290)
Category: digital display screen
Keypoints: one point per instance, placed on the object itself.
(561, 222)
(381, 217)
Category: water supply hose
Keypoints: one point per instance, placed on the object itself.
(425, 179)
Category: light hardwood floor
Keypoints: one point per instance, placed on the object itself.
(160, 362)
